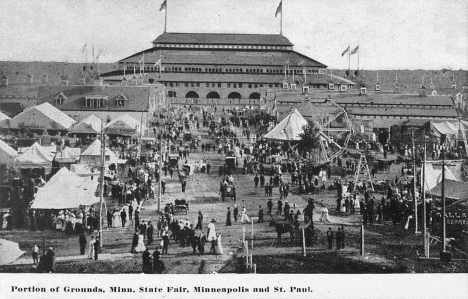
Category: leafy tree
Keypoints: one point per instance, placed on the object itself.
(310, 139)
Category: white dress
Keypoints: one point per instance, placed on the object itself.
(212, 231)
(244, 217)
(141, 245)
(91, 249)
(219, 246)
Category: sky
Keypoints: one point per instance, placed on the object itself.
(391, 34)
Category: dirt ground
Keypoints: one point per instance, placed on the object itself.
(387, 249)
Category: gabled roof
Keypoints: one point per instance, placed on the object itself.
(61, 95)
(43, 116)
(89, 125)
(35, 155)
(223, 39)
(138, 97)
(3, 116)
(289, 128)
(68, 155)
(7, 153)
(95, 150)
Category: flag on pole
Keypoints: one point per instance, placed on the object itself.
(354, 51)
(345, 51)
(163, 5)
(278, 10)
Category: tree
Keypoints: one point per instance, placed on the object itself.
(310, 139)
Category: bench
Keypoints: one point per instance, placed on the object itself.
(181, 205)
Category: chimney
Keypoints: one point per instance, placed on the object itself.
(422, 91)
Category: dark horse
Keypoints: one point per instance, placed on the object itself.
(282, 228)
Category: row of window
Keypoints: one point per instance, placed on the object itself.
(257, 47)
(396, 117)
(222, 70)
(221, 85)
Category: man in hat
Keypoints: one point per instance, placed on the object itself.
(163, 186)
(147, 261)
(228, 217)
(280, 207)
(149, 232)
(82, 240)
(260, 214)
(236, 213)
(123, 216)
(270, 206)
(200, 221)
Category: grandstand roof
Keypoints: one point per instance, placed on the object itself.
(223, 39)
(235, 57)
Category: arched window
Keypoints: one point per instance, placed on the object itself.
(192, 94)
(213, 95)
(254, 96)
(234, 95)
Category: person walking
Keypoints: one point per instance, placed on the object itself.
(165, 241)
(236, 213)
(96, 249)
(338, 239)
(149, 232)
(270, 206)
(163, 187)
(147, 261)
(200, 221)
(256, 180)
(82, 240)
(91, 248)
(134, 242)
(228, 217)
(262, 181)
(260, 214)
(123, 217)
(244, 217)
(35, 254)
(330, 237)
(280, 207)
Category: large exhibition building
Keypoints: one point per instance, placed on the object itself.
(225, 66)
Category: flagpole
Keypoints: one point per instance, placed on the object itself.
(349, 57)
(160, 65)
(281, 19)
(358, 57)
(165, 18)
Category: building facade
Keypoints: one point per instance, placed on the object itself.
(224, 66)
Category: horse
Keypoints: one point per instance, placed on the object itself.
(282, 228)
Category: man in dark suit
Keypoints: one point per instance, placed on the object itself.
(228, 217)
(143, 228)
(270, 206)
(147, 262)
(123, 217)
(149, 232)
(330, 237)
(260, 214)
(82, 241)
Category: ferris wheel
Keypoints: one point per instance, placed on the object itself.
(335, 129)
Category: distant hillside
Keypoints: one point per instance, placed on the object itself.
(410, 80)
(16, 70)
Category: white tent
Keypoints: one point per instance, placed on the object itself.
(7, 153)
(66, 190)
(89, 125)
(123, 125)
(4, 120)
(434, 176)
(36, 155)
(92, 155)
(289, 128)
(44, 116)
(68, 155)
(9, 251)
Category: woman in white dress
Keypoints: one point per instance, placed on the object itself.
(141, 245)
(211, 231)
(91, 248)
(219, 246)
(244, 217)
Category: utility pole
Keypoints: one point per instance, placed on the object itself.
(423, 180)
(444, 236)
(159, 170)
(101, 177)
(415, 199)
